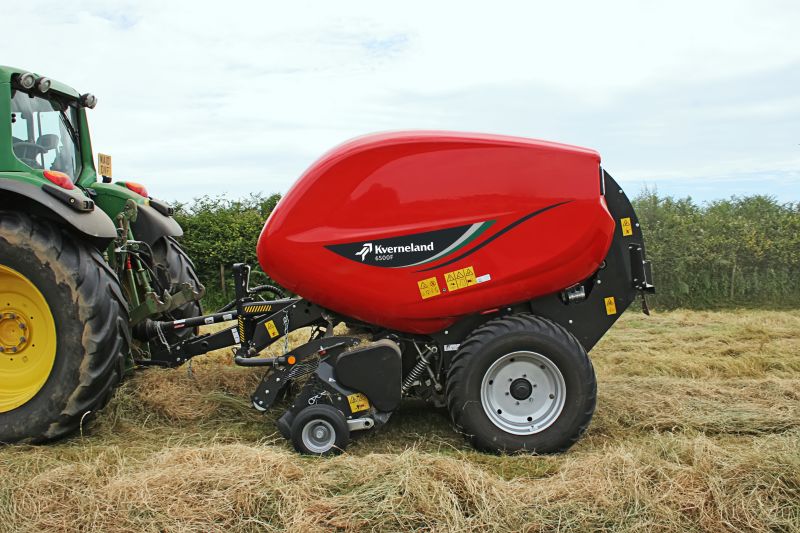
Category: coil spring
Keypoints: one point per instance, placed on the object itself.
(415, 373)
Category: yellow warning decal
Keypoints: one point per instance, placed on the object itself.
(271, 329)
(458, 279)
(104, 165)
(611, 306)
(428, 288)
(358, 402)
(626, 226)
(257, 308)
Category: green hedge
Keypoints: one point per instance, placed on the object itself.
(219, 232)
(740, 252)
(728, 253)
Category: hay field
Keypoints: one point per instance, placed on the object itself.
(697, 428)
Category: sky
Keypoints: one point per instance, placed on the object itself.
(697, 99)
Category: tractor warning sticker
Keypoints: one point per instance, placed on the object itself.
(271, 329)
(358, 402)
(625, 223)
(104, 165)
(611, 306)
(428, 288)
(458, 279)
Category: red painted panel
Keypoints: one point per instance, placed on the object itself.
(542, 225)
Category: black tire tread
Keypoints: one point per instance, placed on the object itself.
(180, 269)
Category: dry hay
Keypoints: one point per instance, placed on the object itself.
(672, 483)
(181, 451)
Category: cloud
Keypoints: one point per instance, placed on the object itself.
(208, 97)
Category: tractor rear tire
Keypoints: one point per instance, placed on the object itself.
(173, 268)
(64, 307)
(521, 384)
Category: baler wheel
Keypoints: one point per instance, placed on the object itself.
(63, 330)
(320, 430)
(521, 383)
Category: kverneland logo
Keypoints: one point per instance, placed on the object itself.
(379, 249)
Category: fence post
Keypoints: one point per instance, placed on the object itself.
(222, 280)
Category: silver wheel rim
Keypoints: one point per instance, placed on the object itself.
(318, 436)
(503, 393)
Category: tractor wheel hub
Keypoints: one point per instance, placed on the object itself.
(521, 389)
(14, 330)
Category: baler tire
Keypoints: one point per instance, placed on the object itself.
(177, 268)
(334, 421)
(499, 338)
(90, 316)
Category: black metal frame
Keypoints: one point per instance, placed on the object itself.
(259, 324)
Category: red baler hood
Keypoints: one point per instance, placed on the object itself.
(411, 230)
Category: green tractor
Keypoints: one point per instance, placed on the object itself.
(83, 262)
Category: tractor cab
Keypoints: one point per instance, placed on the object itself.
(44, 132)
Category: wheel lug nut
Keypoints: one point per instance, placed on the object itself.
(22, 339)
(552, 396)
(22, 325)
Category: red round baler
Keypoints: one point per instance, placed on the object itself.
(472, 271)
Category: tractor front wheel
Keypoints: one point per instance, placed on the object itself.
(173, 269)
(63, 330)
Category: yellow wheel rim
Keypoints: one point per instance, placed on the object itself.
(27, 340)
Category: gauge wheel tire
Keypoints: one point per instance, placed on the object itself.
(521, 384)
(57, 289)
(173, 268)
(320, 430)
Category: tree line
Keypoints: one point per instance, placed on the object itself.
(737, 252)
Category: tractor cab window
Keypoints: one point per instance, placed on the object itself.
(44, 133)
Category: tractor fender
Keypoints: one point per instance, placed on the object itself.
(150, 225)
(28, 197)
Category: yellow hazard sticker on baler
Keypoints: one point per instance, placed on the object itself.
(358, 402)
(458, 279)
(257, 308)
(625, 223)
(428, 288)
(611, 306)
(271, 329)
